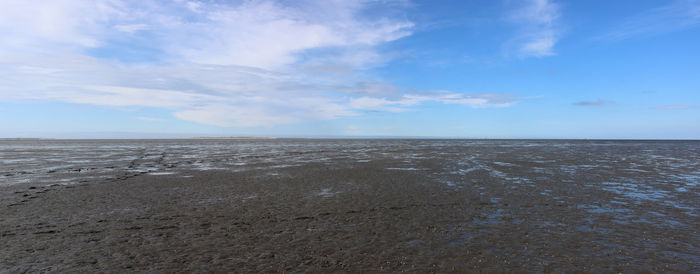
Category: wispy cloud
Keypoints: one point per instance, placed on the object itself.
(353, 130)
(252, 63)
(678, 15)
(599, 102)
(399, 100)
(149, 119)
(539, 28)
(263, 34)
(673, 107)
(131, 28)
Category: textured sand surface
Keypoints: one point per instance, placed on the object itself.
(344, 206)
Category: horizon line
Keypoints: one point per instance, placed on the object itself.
(342, 137)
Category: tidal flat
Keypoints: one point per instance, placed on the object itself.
(353, 205)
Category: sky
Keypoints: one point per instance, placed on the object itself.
(457, 69)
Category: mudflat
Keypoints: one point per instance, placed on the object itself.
(349, 205)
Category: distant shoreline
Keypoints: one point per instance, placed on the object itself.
(339, 138)
(226, 138)
(26, 139)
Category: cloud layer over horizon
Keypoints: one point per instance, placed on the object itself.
(250, 63)
(484, 69)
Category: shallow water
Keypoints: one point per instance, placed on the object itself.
(611, 192)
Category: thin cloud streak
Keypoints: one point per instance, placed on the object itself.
(445, 97)
(676, 16)
(676, 107)
(599, 102)
(149, 119)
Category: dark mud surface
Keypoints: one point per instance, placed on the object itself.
(349, 205)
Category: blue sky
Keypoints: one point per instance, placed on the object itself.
(473, 69)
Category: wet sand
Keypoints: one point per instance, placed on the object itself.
(415, 206)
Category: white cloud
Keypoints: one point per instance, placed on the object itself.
(253, 63)
(378, 104)
(374, 89)
(216, 95)
(266, 34)
(262, 34)
(61, 23)
(218, 115)
(539, 30)
(130, 28)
